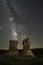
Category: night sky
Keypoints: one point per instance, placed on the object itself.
(29, 14)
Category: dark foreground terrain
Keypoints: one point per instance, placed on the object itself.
(21, 60)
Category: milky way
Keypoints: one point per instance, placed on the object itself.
(29, 19)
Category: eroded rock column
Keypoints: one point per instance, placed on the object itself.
(13, 47)
(26, 48)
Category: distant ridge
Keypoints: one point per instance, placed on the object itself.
(36, 51)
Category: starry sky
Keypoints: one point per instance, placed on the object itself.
(29, 14)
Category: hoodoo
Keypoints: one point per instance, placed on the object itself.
(13, 47)
(26, 48)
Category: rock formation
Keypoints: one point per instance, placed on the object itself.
(13, 47)
(13, 50)
(26, 48)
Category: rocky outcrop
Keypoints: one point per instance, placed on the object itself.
(26, 48)
(13, 47)
(13, 50)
